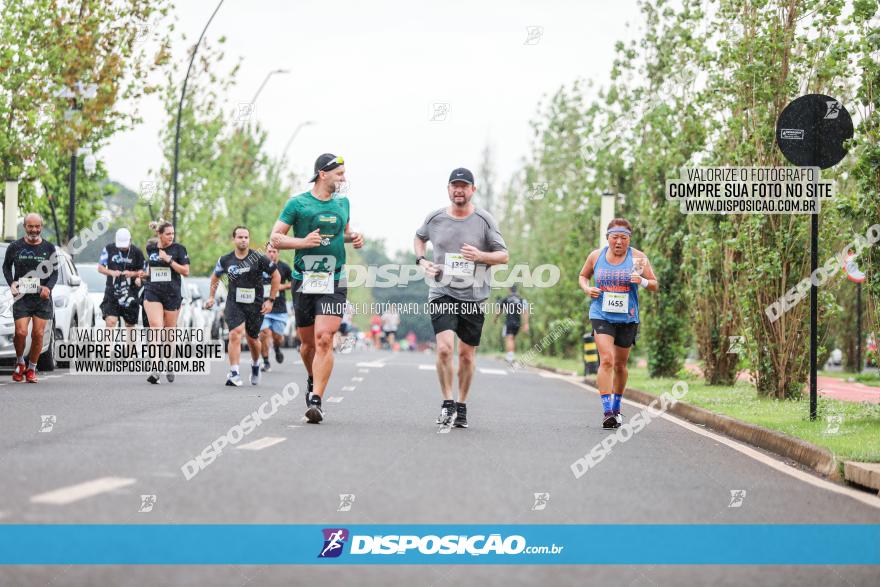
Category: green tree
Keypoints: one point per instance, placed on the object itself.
(54, 53)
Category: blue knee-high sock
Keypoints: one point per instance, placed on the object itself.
(615, 404)
(606, 403)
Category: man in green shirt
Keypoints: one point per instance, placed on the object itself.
(319, 219)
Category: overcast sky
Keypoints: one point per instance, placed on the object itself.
(369, 74)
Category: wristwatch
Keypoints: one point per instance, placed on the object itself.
(271, 300)
(419, 259)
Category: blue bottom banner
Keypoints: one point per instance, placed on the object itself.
(563, 544)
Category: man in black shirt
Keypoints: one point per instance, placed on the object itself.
(31, 270)
(123, 264)
(275, 322)
(516, 312)
(245, 304)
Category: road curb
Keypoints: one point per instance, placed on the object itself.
(864, 474)
(821, 460)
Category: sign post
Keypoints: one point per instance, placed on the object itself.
(810, 132)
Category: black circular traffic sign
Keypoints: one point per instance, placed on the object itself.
(811, 131)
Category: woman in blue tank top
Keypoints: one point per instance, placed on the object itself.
(619, 270)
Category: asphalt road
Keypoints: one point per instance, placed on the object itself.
(379, 442)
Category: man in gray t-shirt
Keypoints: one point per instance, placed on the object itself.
(466, 243)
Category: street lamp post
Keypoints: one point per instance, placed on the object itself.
(265, 80)
(76, 94)
(293, 136)
(606, 214)
(180, 112)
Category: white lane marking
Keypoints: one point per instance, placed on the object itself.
(357, 378)
(335, 400)
(866, 498)
(428, 367)
(72, 493)
(444, 429)
(375, 364)
(553, 375)
(262, 443)
(348, 388)
(493, 371)
(294, 426)
(363, 370)
(51, 376)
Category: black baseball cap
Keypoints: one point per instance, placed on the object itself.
(461, 174)
(326, 162)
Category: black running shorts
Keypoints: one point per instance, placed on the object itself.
(170, 301)
(624, 333)
(307, 306)
(110, 307)
(32, 306)
(463, 318)
(249, 314)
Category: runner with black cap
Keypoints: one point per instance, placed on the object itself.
(123, 264)
(466, 242)
(246, 304)
(619, 270)
(320, 222)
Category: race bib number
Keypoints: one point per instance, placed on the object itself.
(617, 303)
(267, 290)
(317, 282)
(457, 265)
(245, 295)
(160, 274)
(29, 285)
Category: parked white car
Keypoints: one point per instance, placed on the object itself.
(95, 282)
(7, 331)
(214, 316)
(73, 307)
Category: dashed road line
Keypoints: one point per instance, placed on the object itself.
(427, 367)
(335, 400)
(72, 493)
(492, 371)
(262, 443)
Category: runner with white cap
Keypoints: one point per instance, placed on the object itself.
(123, 264)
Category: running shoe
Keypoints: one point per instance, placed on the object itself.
(266, 366)
(609, 422)
(279, 356)
(233, 380)
(18, 374)
(619, 417)
(315, 414)
(170, 377)
(255, 374)
(31, 375)
(460, 416)
(154, 378)
(309, 385)
(447, 410)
